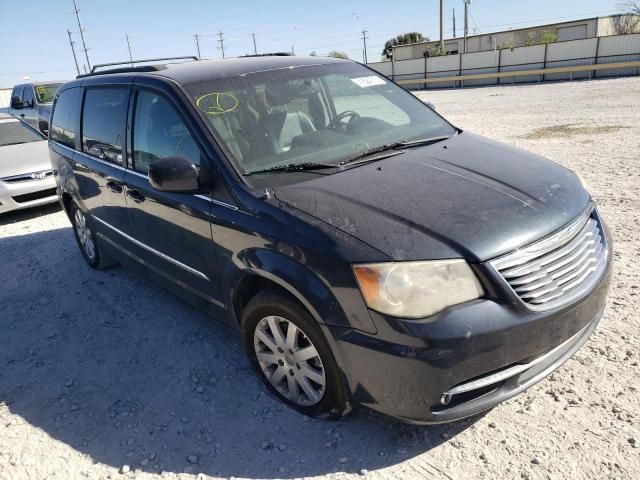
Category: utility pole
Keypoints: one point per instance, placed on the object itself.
(221, 42)
(454, 23)
(126, 35)
(73, 50)
(441, 26)
(364, 44)
(255, 49)
(197, 38)
(466, 23)
(84, 44)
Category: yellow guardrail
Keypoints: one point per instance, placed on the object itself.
(522, 73)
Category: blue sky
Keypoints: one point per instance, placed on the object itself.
(36, 45)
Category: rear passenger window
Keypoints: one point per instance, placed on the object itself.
(158, 131)
(65, 117)
(103, 120)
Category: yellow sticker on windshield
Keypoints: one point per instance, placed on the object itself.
(217, 103)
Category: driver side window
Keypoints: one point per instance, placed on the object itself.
(158, 131)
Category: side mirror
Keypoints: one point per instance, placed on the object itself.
(430, 105)
(174, 174)
(16, 103)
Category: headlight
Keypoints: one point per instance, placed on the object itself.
(416, 289)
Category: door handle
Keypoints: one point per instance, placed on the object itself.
(135, 195)
(114, 186)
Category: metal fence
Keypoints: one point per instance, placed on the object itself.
(5, 97)
(589, 51)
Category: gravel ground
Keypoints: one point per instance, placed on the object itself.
(102, 375)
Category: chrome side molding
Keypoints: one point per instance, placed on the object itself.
(153, 250)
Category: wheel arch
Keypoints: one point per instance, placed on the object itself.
(66, 202)
(250, 282)
(252, 271)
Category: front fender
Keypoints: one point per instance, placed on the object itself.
(324, 303)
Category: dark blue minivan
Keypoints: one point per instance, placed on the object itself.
(368, 252)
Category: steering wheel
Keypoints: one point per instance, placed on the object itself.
(335, 122)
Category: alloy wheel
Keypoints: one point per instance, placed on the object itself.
(84, 235)
(289, 360)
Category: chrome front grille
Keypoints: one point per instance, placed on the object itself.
(25, 177)
(560, 268)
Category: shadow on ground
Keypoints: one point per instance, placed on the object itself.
(28, 213)
(119, 370)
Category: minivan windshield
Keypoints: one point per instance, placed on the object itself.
(311, 116)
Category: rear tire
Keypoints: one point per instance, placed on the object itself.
(291, 356)
(87, 241)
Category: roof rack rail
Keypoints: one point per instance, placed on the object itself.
(146, 60)
(274, 54)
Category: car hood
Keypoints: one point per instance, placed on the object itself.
(24, 158)
(465, 197)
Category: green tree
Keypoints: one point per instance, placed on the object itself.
(337, 54)
(549, 37)
(404, 39)
(545, 37)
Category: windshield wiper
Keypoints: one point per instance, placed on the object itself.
(12, 143)
(392, 148)
(293, 167)
(422, 141)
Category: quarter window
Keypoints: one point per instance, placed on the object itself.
(103, 120)
(158, 131)
(64, 121)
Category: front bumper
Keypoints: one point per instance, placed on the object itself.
(484, 351)
(27, 194)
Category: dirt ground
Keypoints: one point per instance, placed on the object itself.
(102, 375)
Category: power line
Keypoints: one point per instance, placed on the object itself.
(364, 43)
(466, 24)
(255, 49)
(129, 48)
(84, 43)
(549, 19)
(441, 26)
(454, 23)
(197, 39)
(475, 29)
(221, 42)
(73, 50)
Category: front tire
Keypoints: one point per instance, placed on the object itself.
(87, 241)
(291, 355)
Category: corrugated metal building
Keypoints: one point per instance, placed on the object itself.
(574, 30)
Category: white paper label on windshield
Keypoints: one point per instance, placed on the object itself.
(371, 81)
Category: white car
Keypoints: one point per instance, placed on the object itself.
(26, 178)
